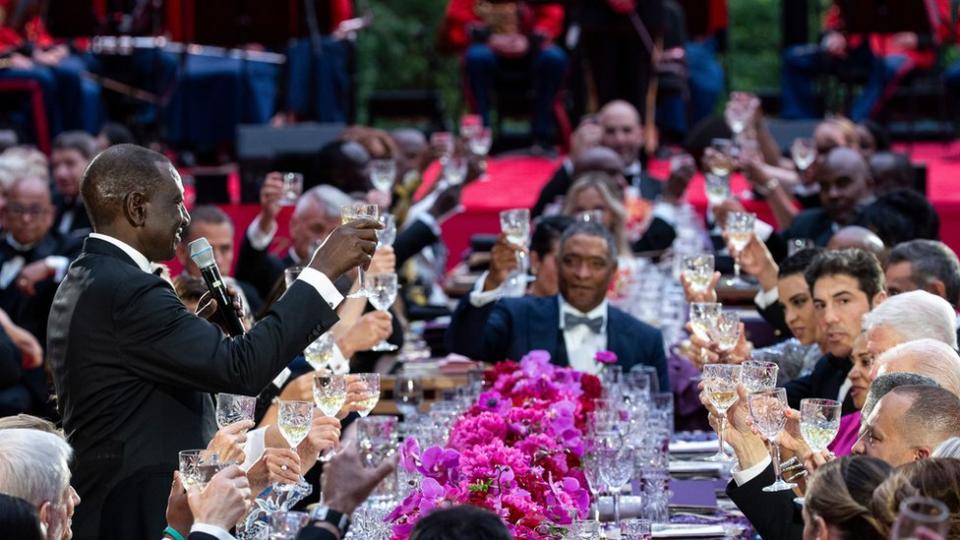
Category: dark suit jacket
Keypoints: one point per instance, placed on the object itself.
(412, 240)
(813, 223)
(259, 267)
(133, 369)
(773, 515)
(313, 533)
(775, 317)
(824, 382)
(512, 327)
(557, 186)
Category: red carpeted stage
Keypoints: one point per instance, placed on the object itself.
(515, 182)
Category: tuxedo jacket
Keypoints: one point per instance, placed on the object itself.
(512, 327)
(813, 223)
(824, 382)
(259, 267)
(773, 515)
(80, 225)
(133, 370)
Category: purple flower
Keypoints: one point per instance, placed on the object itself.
(606, 357)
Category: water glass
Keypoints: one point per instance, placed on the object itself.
(919, 513)
(768, 411)
(382, 293)
(698, 271)
(408, 394)
(356, 212)
(233, 408)
(388, 234)
(376, 438)
(292, 188)
(383, 173)
(819, 422)
(756, 376)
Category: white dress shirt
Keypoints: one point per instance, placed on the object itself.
(582, 343)
(741, 477)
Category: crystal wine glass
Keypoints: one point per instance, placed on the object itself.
(735, 114)
(382, 292)
(408, 393)
(717, 188)
(725, 331)
(768, 411)
(355, 212)
(371, 382)
(698, 270)
(294, 420)
(616, 461)
(376, 436)
(591, 472)
(921, 513)
(819, 422)
(383, 172)
(329, 395)
(804, 153)
(388, 234)
(233, 408)
(636, 529)
(515, 224)
(703, 316)
(739, 229)
(720, 382)
(757, 376)
(189, 460)
(292, 188)
(320, 354)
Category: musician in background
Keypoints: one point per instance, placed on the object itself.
(71, 100)
(514, 36)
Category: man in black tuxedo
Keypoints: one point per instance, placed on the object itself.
(133, 368)
(573, 325)
(71, 152)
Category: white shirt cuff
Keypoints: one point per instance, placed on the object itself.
(480, 297)
(431, 222)
(666, 212)
(742, 477)
(253, 448)
(281, 379)
(765, 299)
(59, 265)
(212, 530)
(762, 229)
(258, 239)
(319, 281)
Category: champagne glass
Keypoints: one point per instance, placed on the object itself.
(383, 172)
(233, 408)
(372, 393)
(717, 188)
(292, 188)
(819, 422)
(698, 270)
(739, 229)
(408, 393)
(768, 411)
(919, 513)
(320, 354)
(757, 376)
(355, 212)
(388, 234)
(515, 224)
(804, 153)
(725, 331)
(616, 461)
(382, 292)
(720, 382)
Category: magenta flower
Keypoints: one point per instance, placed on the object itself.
(606, 357)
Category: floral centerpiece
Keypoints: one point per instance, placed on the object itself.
(515, 452)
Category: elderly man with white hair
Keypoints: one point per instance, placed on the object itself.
(908, 317)
(35, 466)
(925, 357)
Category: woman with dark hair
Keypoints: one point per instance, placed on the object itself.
(18, 519)
(838, 500)
(937, 478)
(460, 523)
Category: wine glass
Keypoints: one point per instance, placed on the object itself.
(589, 529)
(292, 188)
(287, 524)
(636, 529)
(768, 411)
(355, 212)
(739, 229)
(757, 376)
(382, 292)
(591, 472)
(725, 331)
(329, 395)
(388, 234)
(804, 153)
(408, 393)
(233, 408)
(698, 270)
(294, 420)
(442, 142)
(717, 188)
(921, 513)
(702, 318)
(383, 172)
(455, 170)
(616, 461)
(291, 274)
(515, 224)
(819, 422)
(720, 382)
(320, 354)
(189, 460)
(375, 438)
(372, 383)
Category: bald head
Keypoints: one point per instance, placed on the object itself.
(412, 145)
(115, 174)
(856, 237)
(927, 357)
(621, 130)
(598, 159)
(845, 183)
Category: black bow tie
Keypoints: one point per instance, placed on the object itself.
(571, 321)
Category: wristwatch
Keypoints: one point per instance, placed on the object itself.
(328, 515)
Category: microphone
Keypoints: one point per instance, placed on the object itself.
(202, 255)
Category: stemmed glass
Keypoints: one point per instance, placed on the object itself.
(382, 292)
(320, 354)
(408, 393)
(919, 513)
(757, 376)
(819, 422)
(591, 472)
(198, 466)
(383, 172)
(388, 234)
(616, 460)
(703, 316)
(739, 229)
(233, 408)
(720, 161)
(720, 382)
(515, 224)
(725, 331)
(294, 420)
(717, 188)
(768, 411)
(355, 212)
(329, 395)
(698, 270)
(371, 383)
(455, 169)
(804, 153)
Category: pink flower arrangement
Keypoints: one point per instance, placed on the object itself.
(606, 357)
(515, 452)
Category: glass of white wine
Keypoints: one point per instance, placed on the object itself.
(819, 422)
(739, 229)
(725, 331)
(717, 188)
(329, 395)
(768, 411)
(371, 382)
(383, 172)
(355, 212)
(320, 354)
(720, 382)
(455, 170)
(757, 375)
(515, 225)
(804, 153)
(698, 270)
(702, 318)
(294, 420)
(382, 293)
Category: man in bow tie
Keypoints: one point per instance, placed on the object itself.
(573, 325)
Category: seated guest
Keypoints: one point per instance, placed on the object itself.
(598, 192)
(586, 137)
(838, 500)
(19, 519)
(924, 264)
(215, 225)
(927, 357)
(412, 159)
(342, 164)
(572, 326)
(891, 171)
(909, 317)
(464, 522)
(114, 133)
(71, 153)
(857, 237)
(900, 216)
(845, 285)
(936, 478)
(860, 377)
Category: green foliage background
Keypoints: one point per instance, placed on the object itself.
(396, 52)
